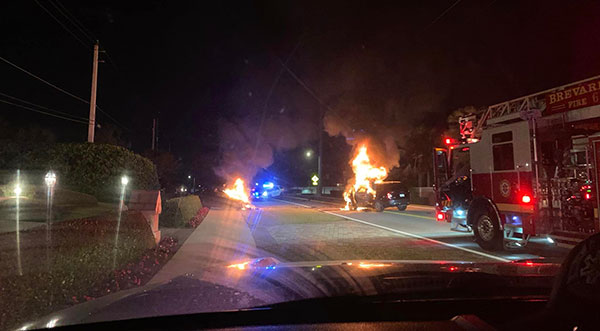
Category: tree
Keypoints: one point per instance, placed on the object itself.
(167, 167)
(110, 134)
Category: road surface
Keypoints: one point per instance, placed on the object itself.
(294, 230)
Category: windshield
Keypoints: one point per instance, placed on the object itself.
(241, 154)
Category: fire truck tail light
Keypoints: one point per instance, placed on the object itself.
(448, 141)
(440, 216)
(526, 198)
(588, 196)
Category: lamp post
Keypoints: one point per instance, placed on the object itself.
(50, 180)
(18, 192)
(124, 182)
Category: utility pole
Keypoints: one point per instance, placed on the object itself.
(153, 132)
(92, 121)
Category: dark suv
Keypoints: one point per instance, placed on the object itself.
(388, 194)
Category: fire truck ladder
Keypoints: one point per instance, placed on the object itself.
(518, 105)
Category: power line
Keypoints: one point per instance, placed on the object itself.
(45, 113)
(61, 24)
(72, 21)
(76, 20)
(77, 23)
(62, 90)
(44, 81)
(43, 107)
(303, 84)
(442, 14)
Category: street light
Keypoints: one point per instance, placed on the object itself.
(18, 190)
(308, 154)
(50, 179)
(189, 176)
(124, 180)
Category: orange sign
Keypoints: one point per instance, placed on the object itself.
(573, 97)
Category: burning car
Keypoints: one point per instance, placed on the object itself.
(385, 194)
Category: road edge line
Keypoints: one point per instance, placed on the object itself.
(408, 234)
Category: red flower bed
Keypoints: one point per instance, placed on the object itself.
(199, 217)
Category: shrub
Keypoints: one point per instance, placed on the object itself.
(177, 212)
(94, 169)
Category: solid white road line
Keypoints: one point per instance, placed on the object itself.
(408, 234)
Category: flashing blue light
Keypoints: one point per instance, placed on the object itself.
(265, 194)
(268, 185)
(515, 218)
(460, 212)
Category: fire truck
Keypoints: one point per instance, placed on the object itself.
(525, 168)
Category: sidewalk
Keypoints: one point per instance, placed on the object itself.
(222, 237)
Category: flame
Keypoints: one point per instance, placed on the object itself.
(364, 174)
(238, 192)
(240, 266)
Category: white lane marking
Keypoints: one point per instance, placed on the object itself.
(293, 203)
(408, 234)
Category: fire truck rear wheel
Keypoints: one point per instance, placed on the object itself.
(487, 232)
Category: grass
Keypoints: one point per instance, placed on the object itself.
(35, 211)
(79, 255)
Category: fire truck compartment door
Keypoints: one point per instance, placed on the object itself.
(502, 168)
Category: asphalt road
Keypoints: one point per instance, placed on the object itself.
(298, 230)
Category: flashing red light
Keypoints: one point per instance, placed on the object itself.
(588, 196)
(440, 216)
(526, 198)
(448, 141)
(529, 263)
(453, 268)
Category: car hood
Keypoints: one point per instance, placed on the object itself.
(267, 281)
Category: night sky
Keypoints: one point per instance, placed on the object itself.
(197, 64)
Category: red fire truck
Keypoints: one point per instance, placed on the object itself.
(528, 167)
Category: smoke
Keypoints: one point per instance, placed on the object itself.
(247, 146)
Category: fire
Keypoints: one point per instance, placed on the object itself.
(238, 192)
(364, 174)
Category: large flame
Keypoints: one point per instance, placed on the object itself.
(364, 174)
(238, 192)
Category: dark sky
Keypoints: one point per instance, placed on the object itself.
(194, 64)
